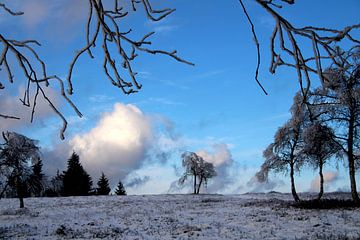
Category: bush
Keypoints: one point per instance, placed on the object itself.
(326, 204)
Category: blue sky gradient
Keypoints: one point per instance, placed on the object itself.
(214, 106)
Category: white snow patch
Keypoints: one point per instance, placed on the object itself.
(248, 216)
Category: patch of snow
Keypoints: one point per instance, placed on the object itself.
(247, 216)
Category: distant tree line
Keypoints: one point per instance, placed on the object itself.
(324, 126)
(21, 173)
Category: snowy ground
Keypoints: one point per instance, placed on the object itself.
(249, 216)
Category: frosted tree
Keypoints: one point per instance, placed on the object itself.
(337, 102)
(103, 185)
(196, 167)
(190, 161)
(17, 154)
(284, 153)
(206, 171)
(318, 147)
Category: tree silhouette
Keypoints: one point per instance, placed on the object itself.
(285, 152)
(318, 148)
(206, 171)
(103, 185)
(337, 103)
(120, 190)
(37, 179)
(197, 167)
(17, 155)
(76, 181)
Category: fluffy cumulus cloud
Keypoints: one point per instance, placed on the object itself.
(118, 143)
(329, 178)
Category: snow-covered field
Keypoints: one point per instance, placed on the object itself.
(248, 216)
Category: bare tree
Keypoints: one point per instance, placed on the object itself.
(17, 155)
(284, 153)
(197, 167)
(103, 25)
(190, 162)
(337, 102)
(318, 148)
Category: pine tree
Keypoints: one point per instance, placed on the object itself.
(76, 181)
(36, 187)
(103, 186)
(120, 190)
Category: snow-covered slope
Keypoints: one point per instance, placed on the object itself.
(249, 216)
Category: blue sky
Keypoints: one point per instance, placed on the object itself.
(215, 108)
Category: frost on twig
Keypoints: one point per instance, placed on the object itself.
(103, 25)
(289, 42)
(34, 72)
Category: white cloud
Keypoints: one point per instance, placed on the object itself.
(219, 156)
(118, 144)
(329, 178)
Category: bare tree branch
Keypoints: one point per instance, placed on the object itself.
(323, 41)
(106, 23)
(102, 25)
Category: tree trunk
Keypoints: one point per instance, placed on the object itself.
(198, 190)
(20, 192)
(321, 180)
(293, 190)
(351, 160)
(194, 183)
(21, 199)
(354, 193)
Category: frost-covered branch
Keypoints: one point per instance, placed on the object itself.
(291, 42)
(105, 22)
(103, 25)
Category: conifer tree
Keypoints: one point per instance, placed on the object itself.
(76, 181)
(36, 178)
(103, 185)
(120, 190)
